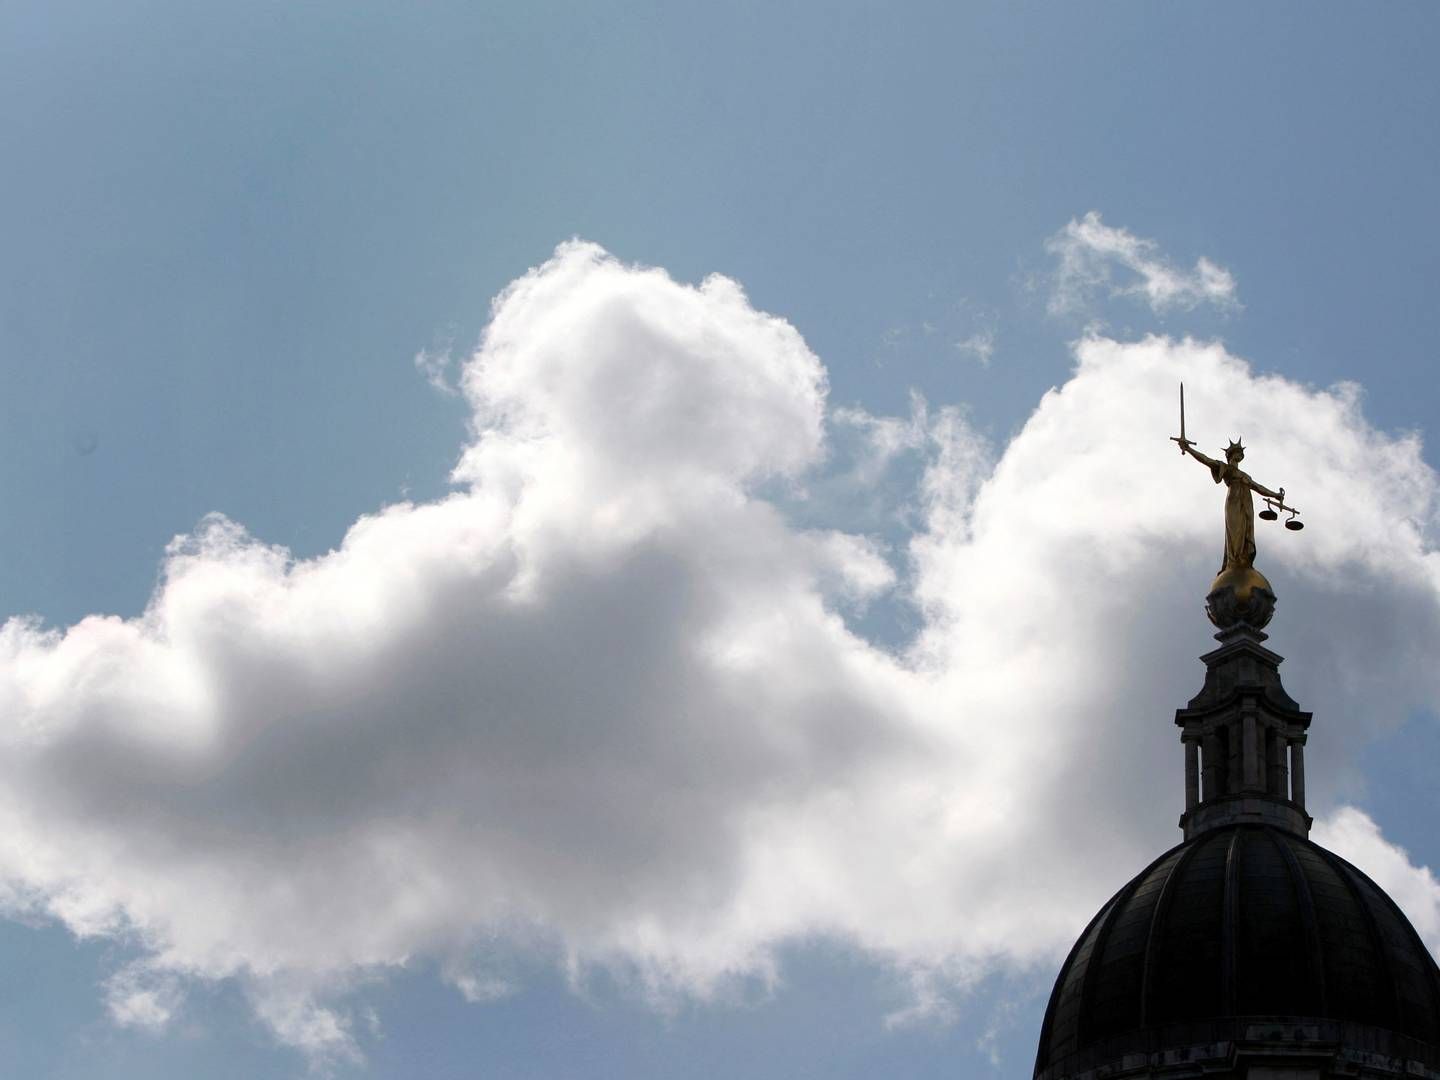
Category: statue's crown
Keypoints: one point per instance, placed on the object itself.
(1236, 445)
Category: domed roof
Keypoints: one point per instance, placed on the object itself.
(1242, 921)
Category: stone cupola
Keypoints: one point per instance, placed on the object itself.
(1244, 740)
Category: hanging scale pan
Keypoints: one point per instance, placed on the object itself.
(1294, 524)
(1268, 514)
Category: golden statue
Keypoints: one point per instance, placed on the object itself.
(1238, 567)
(1239, 505)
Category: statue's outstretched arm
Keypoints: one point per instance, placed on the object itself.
(1189, 448)
(1278, 496)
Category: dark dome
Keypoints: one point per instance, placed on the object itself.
(1241, 922)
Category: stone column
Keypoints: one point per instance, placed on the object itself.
(1192, 774)
(1212, 766)
(1277, 783)
(1250, 754)
(1297, 773)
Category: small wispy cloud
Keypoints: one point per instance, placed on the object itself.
(980, 345)
(1090, 252)
(969, 329)
(436, 365)
(142, 997)
(298, 1020)
(479, 988)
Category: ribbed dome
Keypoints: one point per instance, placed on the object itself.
(1241, 922)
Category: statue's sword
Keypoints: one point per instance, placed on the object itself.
(1181, 439)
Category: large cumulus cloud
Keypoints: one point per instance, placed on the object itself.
(606, 702)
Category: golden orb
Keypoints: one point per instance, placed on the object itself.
(1244, 579)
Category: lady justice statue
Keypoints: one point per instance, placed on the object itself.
(1239, 593)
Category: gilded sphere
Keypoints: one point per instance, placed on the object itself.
(1240, 595)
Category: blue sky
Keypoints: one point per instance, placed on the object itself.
(230, 229)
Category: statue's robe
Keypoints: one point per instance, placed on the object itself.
(1239, 516)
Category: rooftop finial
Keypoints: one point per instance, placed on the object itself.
(1240, 593)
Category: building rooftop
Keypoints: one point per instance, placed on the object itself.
(1243, 921)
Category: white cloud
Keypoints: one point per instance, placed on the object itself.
(601, 704)
(1089, 252)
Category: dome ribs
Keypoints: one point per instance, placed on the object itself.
(1246, 926)
(1308, 925)
(1059, 1032)
(1351, 949)
(1417, 1009)
(1162, 911)
(1065, 996)
(1103, 1000)
(1427, 1006)
(1186, 965)
(1229, 921)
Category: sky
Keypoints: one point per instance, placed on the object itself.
(638, 540)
